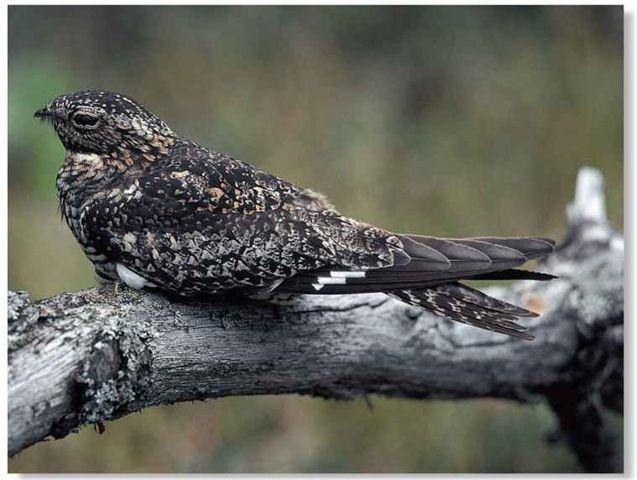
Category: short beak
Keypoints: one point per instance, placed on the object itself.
(43, 114)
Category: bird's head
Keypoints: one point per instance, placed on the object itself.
(95, 121)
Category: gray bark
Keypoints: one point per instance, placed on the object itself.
(99, 354)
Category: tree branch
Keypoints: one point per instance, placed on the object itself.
(99, 354)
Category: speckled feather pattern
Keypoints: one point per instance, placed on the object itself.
(181, 218)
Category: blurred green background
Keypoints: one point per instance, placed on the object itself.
(451, 121)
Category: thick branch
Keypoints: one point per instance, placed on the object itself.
(95, 355)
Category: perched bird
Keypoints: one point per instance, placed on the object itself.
(156, 211)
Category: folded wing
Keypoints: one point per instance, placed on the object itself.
(427, 273)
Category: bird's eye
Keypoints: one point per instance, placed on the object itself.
(83, 120)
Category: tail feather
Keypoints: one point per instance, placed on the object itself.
(480, 299)
(471, 307)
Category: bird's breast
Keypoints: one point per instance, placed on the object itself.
(82, 176)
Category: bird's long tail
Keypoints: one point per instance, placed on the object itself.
(427, 271)
(470, 306)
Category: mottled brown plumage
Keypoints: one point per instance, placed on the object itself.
(157, 211)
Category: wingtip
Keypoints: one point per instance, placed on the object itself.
(539, 246)
(542, 276)
(548, 241)
(530, 247)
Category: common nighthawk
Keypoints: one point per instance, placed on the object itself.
(156, 211)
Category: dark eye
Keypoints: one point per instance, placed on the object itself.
(84, 120)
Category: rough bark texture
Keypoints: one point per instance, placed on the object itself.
(99, 354)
